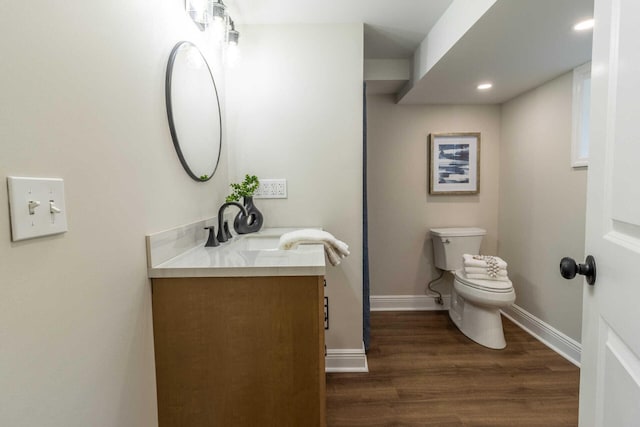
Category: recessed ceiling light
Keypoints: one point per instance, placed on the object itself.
(485, 86)
(584, 25)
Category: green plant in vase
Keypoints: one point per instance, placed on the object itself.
(245, 189)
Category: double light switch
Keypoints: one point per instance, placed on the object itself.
(37, 207)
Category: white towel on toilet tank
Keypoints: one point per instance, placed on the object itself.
(485, 267)
(482, 261)
(483, 270)
(334, 248)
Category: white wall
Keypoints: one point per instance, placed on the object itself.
(401, 211)
(295, 112)
(542, 204)
(82, 88)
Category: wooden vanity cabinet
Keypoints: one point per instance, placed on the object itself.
(239, 351)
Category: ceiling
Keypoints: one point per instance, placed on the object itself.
(516, 44)
(393, 29)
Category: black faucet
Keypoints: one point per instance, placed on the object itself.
(223, 232)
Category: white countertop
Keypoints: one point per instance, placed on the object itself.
(246, 255)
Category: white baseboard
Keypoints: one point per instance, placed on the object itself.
(407, 303)
(346, 360)
(557, 341)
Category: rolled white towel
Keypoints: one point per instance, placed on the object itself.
(333, 257)
(341, 247)
(478, 261)
(334, 248)
(483, 270)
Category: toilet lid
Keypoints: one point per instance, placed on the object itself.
(484, 285)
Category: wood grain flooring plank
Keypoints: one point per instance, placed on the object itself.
(424, 372)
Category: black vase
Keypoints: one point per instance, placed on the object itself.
(251, 222)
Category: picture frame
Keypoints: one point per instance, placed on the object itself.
(454, 163)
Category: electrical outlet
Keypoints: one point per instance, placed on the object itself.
(271, 189)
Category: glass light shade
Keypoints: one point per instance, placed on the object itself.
(218, 26)
(217, 29)
(232, 37)
(199, 11)
(232, 34)
(217, 11)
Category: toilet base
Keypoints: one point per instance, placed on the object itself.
(482, 324)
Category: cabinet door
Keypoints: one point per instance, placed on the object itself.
(240, 351)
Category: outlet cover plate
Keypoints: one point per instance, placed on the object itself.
(49, 193)
(272, 189)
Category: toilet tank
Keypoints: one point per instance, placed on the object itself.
(449, 244)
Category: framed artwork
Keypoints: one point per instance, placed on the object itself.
(454, 166)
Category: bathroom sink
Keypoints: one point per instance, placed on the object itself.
(258, 243)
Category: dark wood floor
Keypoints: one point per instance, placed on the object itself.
(424, 372)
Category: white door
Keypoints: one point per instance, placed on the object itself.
(610, 374)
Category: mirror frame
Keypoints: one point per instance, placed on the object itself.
(172, 127)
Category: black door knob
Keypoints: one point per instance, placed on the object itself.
(569, 269)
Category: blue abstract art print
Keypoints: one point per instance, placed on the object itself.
(455, 163)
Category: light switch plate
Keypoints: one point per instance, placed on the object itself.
(36, 206)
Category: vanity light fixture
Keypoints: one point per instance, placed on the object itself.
(232, 34)
(207, 12)
(199, 12)
(584, 25)
(218, 27)
(232, 51)
(485, 86)
(218, 10)
(213, 15)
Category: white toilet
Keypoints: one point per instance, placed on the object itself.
(475, 304)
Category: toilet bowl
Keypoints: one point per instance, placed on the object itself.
(475, 304)
(475, 308)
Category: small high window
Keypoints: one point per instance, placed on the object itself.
(581, 106)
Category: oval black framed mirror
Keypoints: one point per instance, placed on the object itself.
(193, 109)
